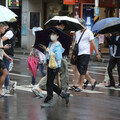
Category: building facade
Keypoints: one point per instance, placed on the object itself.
(34, 13)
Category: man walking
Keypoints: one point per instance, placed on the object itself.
(84, 51)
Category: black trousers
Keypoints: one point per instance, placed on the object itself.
(51, 73)
(112, 62)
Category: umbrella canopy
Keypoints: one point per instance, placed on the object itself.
(6, 14)
(34, 29)
(32, 65)
(42, 37)
(98, 26)
(111, 27)
(71, 24)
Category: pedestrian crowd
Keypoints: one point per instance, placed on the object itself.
(57, 62)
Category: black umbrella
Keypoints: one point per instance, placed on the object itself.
(42, 37)
(111, 27)
(71, 24)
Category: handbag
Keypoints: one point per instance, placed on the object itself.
(52, 62)
(76, 46)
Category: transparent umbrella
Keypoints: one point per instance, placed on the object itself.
(6, 14)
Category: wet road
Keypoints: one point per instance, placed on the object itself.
(100, 104)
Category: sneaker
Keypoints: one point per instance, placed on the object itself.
(2, 93)
(47, 105)
(5, 91)
(30, 86)
(39, 94)
(13, 85)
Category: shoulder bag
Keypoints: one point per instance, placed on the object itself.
(76, 47)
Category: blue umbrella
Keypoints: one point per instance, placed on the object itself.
(111, 27)
(99, 25)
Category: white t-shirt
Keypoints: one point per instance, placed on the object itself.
(9, 34)
(84, 44)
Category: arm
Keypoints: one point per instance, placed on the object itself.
(9, 58)
(5, 47)
(7, 36)
(95, 48)
(4, 38)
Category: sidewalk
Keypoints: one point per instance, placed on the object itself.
(22, 51)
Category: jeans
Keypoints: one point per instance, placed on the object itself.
(7, 63)
(41, 69)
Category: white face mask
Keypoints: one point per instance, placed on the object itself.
(53, 37)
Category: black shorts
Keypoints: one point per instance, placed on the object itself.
(2, 65)
(82, 63)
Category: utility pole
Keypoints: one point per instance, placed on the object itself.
(96, 19)
(96, 12)
(119, 8)
(6, 3)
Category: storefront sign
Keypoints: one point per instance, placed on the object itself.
(13, 3)
(88, 15)
(68, 2)
(108, 3)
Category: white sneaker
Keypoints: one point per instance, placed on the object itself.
(13, 85)
(30, 86)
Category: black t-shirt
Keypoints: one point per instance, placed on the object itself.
(9, 51)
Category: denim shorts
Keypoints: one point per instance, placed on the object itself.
(82, 63)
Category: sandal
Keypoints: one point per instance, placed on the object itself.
(93, 86)
(73, 87)
(85, 84)
(78, 90)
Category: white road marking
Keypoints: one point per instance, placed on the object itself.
(20, 75)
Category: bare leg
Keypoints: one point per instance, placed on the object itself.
(3, 77)
(92, 81)
(82, 77)
(39, 89)
(76, 74)
(58, 80)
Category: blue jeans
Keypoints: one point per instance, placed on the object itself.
(41, 69)
(7, 63)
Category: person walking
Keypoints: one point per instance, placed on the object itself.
(7, 38)
(40, 65)
(114, 41)
(3, 68)
(64, 74)
(54, 49)
(84, 52)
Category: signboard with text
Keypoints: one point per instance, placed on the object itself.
(88, 15)
(108, 3)
(13, 3)
(68, 2)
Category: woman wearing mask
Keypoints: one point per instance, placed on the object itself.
(55, 49)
